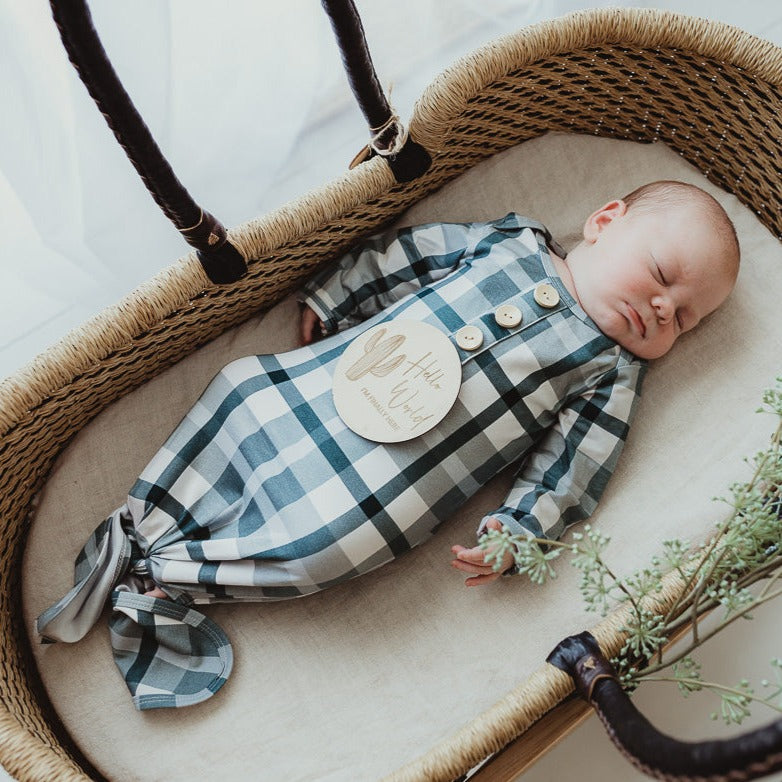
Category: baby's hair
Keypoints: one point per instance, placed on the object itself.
(667, 193)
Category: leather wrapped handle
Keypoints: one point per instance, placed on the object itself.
(748, 756)
(407, 159)
(221, 260)
(357, 61)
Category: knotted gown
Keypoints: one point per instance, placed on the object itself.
(262, 492)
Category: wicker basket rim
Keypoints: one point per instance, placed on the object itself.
(445, 98)
(171, 289)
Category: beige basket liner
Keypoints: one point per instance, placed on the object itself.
(358, 681)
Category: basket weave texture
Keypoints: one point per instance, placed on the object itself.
(711, 92)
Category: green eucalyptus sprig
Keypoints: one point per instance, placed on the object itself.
(738, 569)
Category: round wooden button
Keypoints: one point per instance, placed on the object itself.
(469, 337)
(508, 316)
(546, 295)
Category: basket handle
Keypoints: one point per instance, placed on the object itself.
(748, 756)
(407, 159)
(222, 261)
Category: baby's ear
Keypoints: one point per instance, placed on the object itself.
(599, 219)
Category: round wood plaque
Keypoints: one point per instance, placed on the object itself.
(397, 380)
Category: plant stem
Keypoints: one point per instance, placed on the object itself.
(715, 686)
(774, 577)
(750, 578)
(721, 626)
(692, 592)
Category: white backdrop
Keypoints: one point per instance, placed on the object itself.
(249, 103)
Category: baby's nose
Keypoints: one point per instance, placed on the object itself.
(663, 309)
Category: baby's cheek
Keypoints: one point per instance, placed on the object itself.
(611, 323)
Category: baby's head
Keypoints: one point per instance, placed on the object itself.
(653, 264)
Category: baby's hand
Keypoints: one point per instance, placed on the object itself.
(473, 561)
(310, 326)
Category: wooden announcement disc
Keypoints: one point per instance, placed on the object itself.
(396, 381)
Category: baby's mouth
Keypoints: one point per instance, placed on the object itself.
(636, 320)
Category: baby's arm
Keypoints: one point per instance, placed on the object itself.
(562, 480)
(386, 268)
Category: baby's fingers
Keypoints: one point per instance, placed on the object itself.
(310, 326)
(472, 567)
(476, 555)
(483, 579)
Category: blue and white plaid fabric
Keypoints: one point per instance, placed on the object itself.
(263, 493)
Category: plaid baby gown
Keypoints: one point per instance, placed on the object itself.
(263, 493)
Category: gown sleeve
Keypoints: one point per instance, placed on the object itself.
(387, 267)
(561, 481)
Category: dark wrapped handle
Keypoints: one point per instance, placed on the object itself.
(749, 756)
(221, 260)
(407, 159)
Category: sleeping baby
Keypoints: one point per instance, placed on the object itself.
(432, 357)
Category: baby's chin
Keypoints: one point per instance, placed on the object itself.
(645, 350)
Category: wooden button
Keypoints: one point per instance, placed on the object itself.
(546, 295)
(469, 337)
(508, 316)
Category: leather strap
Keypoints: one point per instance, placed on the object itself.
(749, 756)
(407, 159)
(221, 260)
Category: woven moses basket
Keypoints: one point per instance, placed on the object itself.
(710, 92)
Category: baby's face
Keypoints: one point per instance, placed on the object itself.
(647, 277)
